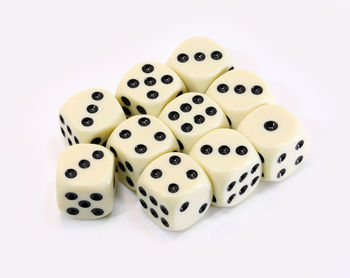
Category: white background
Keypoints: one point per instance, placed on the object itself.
(53, 49)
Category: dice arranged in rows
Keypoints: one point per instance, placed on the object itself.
(184, 135)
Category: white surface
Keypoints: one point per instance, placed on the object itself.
(53, 49)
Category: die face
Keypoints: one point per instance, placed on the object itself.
(136, 142)
(238, 92)
(278, 137)
(192, 115)
(199, 61)
(85, 181)
(174, 191)
(147, 88)
(231, 163)
(90, 117)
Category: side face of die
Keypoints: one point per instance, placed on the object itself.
(90, 117)
(147, 88)
(199, 61)
(174, 191)
(191, 116)
(231, 163)
(238, 92)
(136, 142)
(85, 181)
(278, 137)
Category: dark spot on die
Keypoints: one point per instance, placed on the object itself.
(186, 127)
(153, 200)
(167, 79)
(133, 83)
(243, 189)
(214, 199)
(229, 200)
(147, 68)
(69, 130)
(281, 173)
(71, 196)
(154, 213)
(150, 81)
(128, 165)
(299, 145)
(181, 146)
(231, 68)
(241, 150)
(182, 58)
(97, 96)
(72, 211)
(199, 119)
(257, 90)
(173, 188)
(70, 142)
(98, 154)
(216, 55)
(231, 185)
(173, 115)
(270, 125)
(63, 133)
(84, 164)
(87, 121)
(164, 209)
(211, 111)
(199, 56)
(142, 191)
(222, 88)
(141, 109)
(298, 160)
(143, 204)
(185, 107)
(144, 121)
(140, 149)
(125, 134)
(197, 99)
(174, 160)
(202, 208)
(159, 136)
(129, 181)
(70, 173)
(192, 174)
(165, 223)
(281, 158)
(96, 196)
(121, 166)
(184, 206)
(224, 150)
(126, 101)
(96, 140)
(254, 180)
(126, 111)
(239, 89)
(61, 119)
(156, 173)
(113, 151)
(206, 149)
(76, 140)
(97, 211)
(261, 158)
(92, 108)
(84, 204)
(179, 93)
(255, 167)
(152, 94)
(243, 177)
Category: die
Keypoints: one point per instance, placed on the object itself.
(238, 92)
(90, 117)
(192, 115)
(199, 61)
(174, 191)
(136, 142)
(147, 88)
(232, 164)
(278, 137)
(85, 181)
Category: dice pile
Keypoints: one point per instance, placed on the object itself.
(184, 135)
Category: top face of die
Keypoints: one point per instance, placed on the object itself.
(85, 165)
(223, 150)
(142, 136)
(199, 61)
(240, 90)
(92, 110)
(192, 115)
(147, 87)
(174, 174)
(271, 126)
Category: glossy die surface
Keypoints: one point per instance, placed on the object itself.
(85, 181)
(191, 116)
(147, 88)
(231, 163)
(238, 92)
(199, 61)
(278, 137)
(174, 191)
(136, 142)
(90, 117)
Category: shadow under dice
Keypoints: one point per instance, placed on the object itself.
(278, 137)
(136, 142)
(85, 181)
(147, 88)
(238, 92)
(232, 164)
(90, 117)
(174, 191)
(199, 61)
(192, 115)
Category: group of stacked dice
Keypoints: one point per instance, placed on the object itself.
(184, 135)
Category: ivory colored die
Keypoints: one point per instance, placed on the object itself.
(278, 137)
(90, 117)
(191, 116)
(147, 88)
(199, 61)
(174, 191)
(136, 142)
(238, 92)
(231, 163)
(85, 181)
